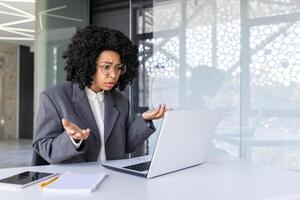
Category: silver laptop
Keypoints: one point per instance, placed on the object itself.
(183, 141)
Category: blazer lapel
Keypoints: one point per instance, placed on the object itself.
(111, 115)
(84, 110)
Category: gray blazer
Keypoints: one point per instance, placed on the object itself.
(70, 102)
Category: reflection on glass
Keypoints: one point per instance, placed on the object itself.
(57, 21)
(204, 83)
(274, 83)
(192, 58)
(187, 35)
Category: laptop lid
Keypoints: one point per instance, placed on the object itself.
(184, 139)
(183, 142)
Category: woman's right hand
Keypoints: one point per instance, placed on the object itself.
(74, 131)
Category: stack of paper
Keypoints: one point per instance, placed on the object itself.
(76, 183)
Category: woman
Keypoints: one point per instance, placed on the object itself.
(86, 119)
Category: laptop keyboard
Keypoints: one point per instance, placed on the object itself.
(139, 167)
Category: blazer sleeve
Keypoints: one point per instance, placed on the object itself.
(51, 141)
(137, 132)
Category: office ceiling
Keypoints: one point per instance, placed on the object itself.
(17, 21)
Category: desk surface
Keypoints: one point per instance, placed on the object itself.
(221, 178)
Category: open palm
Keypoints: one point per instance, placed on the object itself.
(155, 113)
(74, 131)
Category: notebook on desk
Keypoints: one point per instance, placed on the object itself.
(78, 183)
(183, 141)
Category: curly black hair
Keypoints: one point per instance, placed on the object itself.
(85, 47)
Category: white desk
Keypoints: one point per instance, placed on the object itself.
(221, 178)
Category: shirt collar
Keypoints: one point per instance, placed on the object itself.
(93, 95)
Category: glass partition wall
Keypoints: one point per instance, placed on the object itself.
(56, 22)
(189, 54)
(273, 65)
(241, 57)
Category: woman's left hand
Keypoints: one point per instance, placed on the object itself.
(155, 113)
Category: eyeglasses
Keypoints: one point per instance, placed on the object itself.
(106, 68)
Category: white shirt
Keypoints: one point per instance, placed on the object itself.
(96, 101)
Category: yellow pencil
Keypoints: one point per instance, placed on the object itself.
(44, 184)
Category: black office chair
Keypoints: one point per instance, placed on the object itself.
(37, 159)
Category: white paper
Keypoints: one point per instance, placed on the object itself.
(76, 183)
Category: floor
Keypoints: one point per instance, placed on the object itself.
(15, 153)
